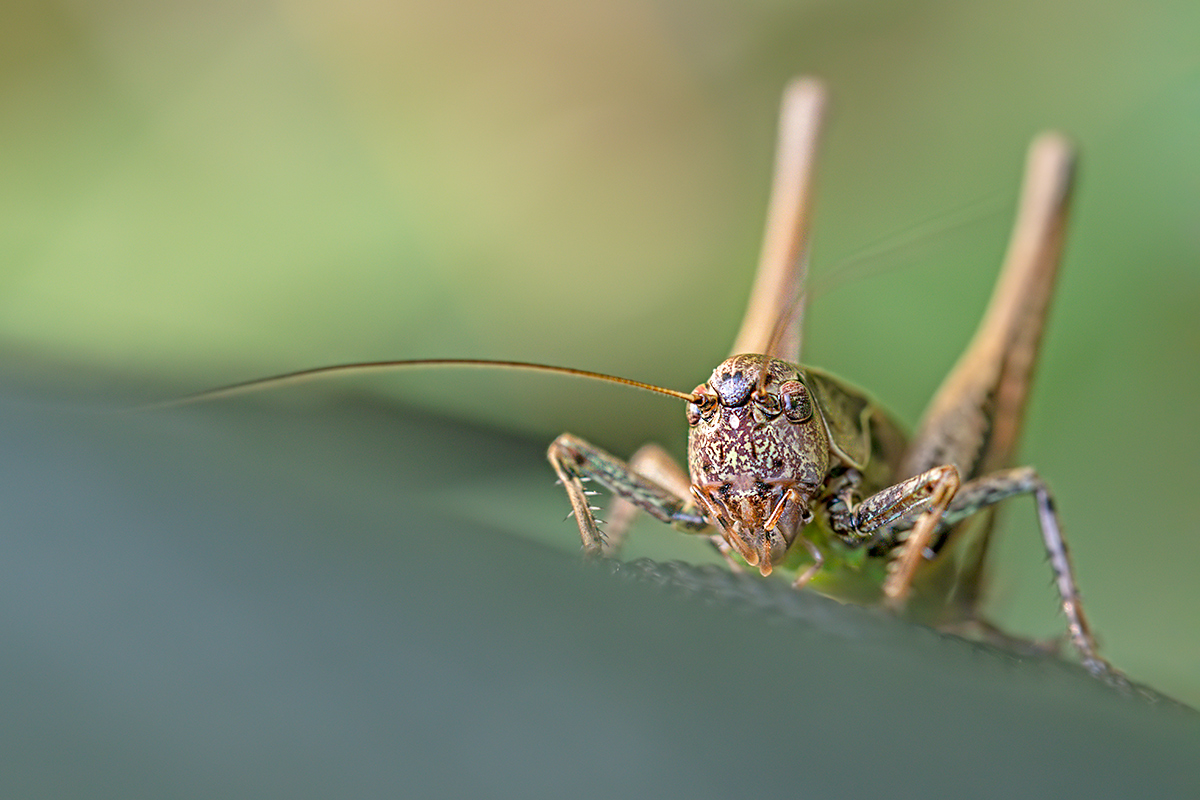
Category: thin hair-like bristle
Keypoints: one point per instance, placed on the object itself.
(304, 375)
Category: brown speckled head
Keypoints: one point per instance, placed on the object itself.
(757, 450)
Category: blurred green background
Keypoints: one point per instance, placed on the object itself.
(197, 193)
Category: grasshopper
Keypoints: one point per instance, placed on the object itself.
(790, 466)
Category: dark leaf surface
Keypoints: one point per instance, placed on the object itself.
(239, 600)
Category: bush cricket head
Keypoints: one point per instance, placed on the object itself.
(757, 451)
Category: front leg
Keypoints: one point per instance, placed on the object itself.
(917, 505)
(576, 462)
(651, 461)
(993, 488)
(933, 501)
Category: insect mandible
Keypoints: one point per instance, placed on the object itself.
(790, 466)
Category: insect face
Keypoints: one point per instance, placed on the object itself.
(757, 451)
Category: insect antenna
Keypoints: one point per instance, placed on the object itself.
(363, 367)
(873, 259)
(790, 322)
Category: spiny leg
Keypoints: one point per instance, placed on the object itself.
(974, 419)
(941, 503)
(575, 461)
(938, 494)
(917, 504)
(991, 489)
(653, 462)
(897, 506)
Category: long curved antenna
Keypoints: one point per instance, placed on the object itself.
(783, 263)
(304, 375)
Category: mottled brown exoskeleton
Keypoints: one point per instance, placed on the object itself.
(789, 466)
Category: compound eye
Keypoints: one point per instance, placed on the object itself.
(704, 407)
(797, 406)
(769, 404)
